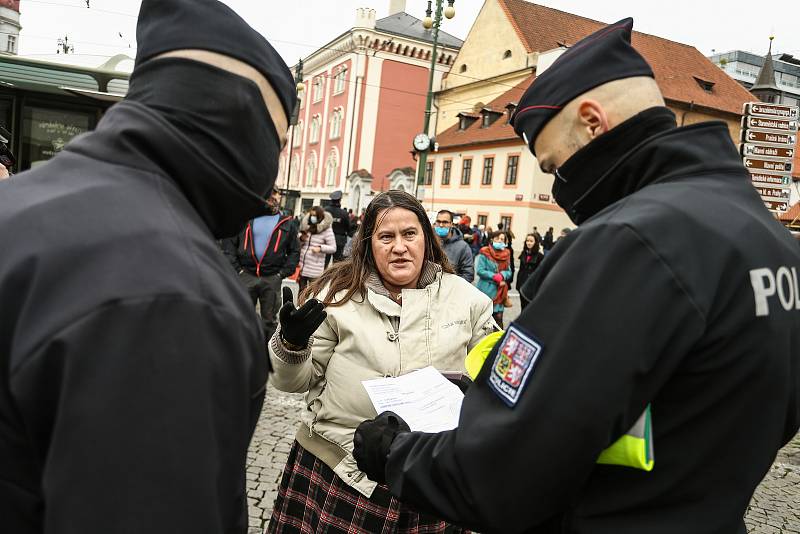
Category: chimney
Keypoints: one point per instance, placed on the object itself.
(397, 6)
(365, 18)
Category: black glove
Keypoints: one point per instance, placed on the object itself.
(372, 441)
(297, 325)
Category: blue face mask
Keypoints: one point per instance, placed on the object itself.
(441, 231)
(499, 246)
(312, 219)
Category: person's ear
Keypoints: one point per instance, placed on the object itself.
(592, 118)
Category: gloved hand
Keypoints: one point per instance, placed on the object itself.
(372, 441)
(497, 277)
(297, 325)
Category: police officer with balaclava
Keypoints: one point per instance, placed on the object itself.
(132, 365)
(675, 303)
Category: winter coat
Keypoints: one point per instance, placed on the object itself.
(279, 258)
(375, 337)
(130, 355)
(527, 264)
(459, 254)
(486, 269)
(313, 263)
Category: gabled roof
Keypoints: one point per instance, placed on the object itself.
(675, 65)
(498, 131)
(405, 25)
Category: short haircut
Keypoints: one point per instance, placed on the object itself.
(448, 212)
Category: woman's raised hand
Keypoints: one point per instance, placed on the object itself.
(298, 325)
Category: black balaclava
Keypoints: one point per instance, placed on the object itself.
(221, 119)
(586, 182)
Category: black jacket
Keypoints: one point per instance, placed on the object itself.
(341, 220)
(280, 257)
(527, 265)
(132, 369)
(662, 297)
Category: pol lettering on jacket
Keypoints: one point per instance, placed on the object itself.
(766, 284)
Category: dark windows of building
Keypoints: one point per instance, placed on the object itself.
(482, 220)
(429, 173)
(45, 131)
(488, 170)
(511, 170)
(466, 172)
(446, 166)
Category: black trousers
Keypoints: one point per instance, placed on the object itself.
(266, 292)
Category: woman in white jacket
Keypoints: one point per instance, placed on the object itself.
(393, 307)
(316, 240)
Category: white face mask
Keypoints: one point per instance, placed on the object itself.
(313, 219)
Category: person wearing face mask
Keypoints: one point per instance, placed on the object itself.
(655, 299)
(454, 246)
(393, 307)
(265, 252)
(493, 266)
(317, 240)
(132, 366)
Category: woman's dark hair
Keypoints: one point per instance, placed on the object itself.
(320, 214)
(495, 234)
(535, 243)
(350, 275)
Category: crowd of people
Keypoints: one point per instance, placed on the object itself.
(646, 386)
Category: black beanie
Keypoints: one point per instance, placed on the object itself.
(604, 56)
(166, 25)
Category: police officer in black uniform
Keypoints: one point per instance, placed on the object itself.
(340, 226)
(678, 291)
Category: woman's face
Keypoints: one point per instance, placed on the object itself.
(530, 241)
(499, 238)
(398, 246)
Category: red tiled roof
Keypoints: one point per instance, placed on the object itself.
(675, 65)
(498, 131)
(793, 215)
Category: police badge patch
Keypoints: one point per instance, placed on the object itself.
(513, 365)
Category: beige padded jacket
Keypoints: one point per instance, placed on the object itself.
(371, 338)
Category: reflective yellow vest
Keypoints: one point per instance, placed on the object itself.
(634, 449)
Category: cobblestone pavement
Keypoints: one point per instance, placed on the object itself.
(775, 508)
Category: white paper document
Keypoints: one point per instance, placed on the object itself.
(425, 399)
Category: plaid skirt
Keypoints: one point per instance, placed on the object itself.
(313, 499)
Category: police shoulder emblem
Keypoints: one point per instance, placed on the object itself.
(513, 364)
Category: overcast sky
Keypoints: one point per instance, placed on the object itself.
(298, 27)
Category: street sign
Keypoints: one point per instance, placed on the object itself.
(768, 165)
(780, 194)
(768, 178)
(749, 149)
(769, 124)
(771, 110)
(754, 136)
(776, 206)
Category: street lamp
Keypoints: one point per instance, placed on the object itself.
(298, 78)
(422, 142)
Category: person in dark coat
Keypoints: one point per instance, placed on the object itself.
(548, 240)
(456, 249)
(673, 303)
(529, 260)
(341, 225)
(132, 365)
(265, 252)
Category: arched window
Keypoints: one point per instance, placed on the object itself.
(311, 170)
(318, 87)
(298, 134)
(336, 123)
(313, 132)
(295, 174)
(339, 80)
(463, 68)
(331, 168)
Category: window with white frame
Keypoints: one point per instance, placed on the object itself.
(311, 171)
(11, 44)
(339, 80)
(295, 171)
(336, 123)
(313, 131)
(318, 86)
(331, 168)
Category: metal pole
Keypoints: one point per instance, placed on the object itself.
(423, 156)
(291, 153)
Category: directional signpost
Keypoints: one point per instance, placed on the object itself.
(768, 145)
